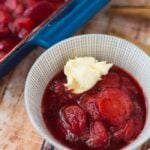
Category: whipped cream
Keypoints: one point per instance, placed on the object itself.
(83, 73)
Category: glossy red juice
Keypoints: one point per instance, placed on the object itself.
(19, 17)
(107, 117)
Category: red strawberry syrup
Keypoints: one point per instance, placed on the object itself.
(107, 117)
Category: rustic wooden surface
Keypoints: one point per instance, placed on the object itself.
(16, 131)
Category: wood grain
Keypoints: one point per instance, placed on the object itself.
(136, 12)
(144, 47)
(3, 85)
(16, 131)
(129, 2)
(15, 128)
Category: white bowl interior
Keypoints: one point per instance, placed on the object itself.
(103, 47)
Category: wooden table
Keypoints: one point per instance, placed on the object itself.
(16, 131)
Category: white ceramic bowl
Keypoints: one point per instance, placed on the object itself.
(103, 47)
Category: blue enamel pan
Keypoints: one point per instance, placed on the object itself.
(56, 28)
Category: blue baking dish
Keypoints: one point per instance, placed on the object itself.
(58, 27)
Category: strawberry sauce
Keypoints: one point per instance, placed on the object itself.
(107, 117)
(19, 17)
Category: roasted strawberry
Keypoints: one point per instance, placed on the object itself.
(110, 80)
(129, 85)
(124, 134)
(4, 31)
(98, 135)
(130, 130)
(1, 1)
(11, 4)
(15, 6)
(23, 22)
(3, 8)
(40, 11)
(23, 26)
(4, 17)
(32, 2)
(88, 103)
(114, 105)
(23, 33)
(74, 119)
(19, 9)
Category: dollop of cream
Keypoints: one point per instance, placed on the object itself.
(83, 73)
